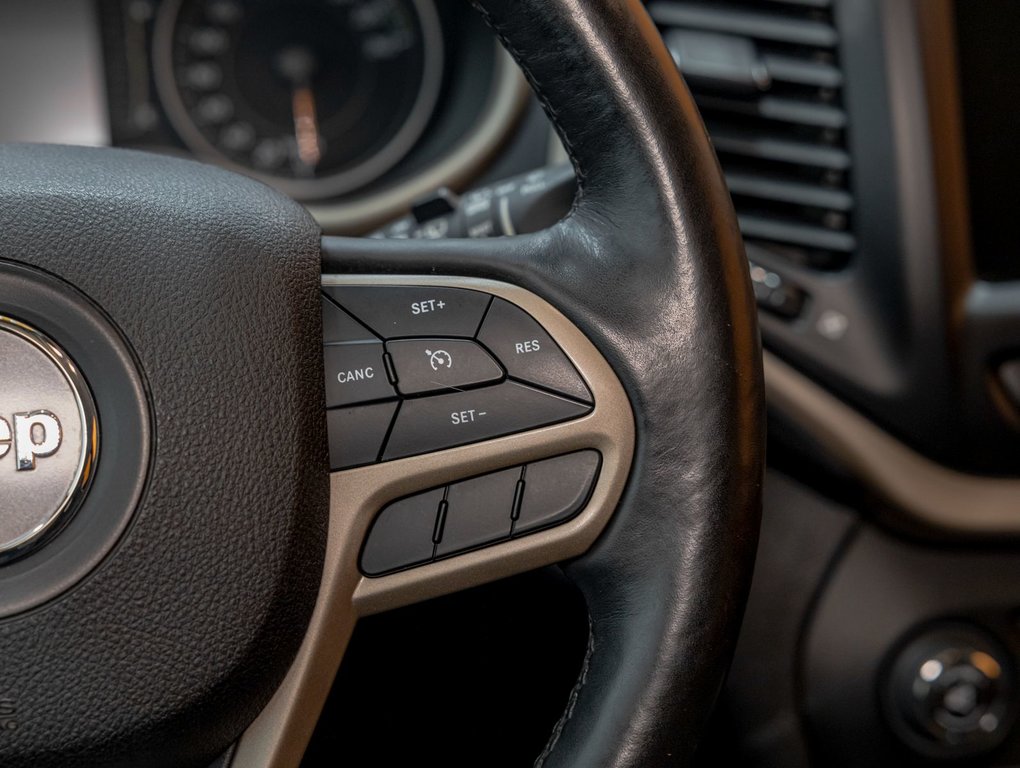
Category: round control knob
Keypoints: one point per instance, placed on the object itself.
(950, 692)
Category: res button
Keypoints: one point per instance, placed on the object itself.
(528, 353)
(396, 311)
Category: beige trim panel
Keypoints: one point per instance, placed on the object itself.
(923, 491)
(279, 736)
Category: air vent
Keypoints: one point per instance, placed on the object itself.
(766, 76)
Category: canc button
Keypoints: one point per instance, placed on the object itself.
(355, 373)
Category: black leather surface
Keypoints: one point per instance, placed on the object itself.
(650, 264)
(165, 652)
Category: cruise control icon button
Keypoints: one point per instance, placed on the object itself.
(430, 365)
(355, 373)
(413, 310)
(444, 421)
(528, 353)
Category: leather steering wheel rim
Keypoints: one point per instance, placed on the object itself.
(650, 265)
(163, 646)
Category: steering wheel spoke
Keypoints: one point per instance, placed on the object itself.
(407, 528)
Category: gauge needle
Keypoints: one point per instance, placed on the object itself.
(306, 126)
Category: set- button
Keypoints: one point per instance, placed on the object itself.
(479, 512)
(445, 421)
(415, 369)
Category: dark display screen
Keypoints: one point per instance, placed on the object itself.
(989, 54)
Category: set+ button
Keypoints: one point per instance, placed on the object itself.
(394, 311)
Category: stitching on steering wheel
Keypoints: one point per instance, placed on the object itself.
(582, 678)
(540, 94)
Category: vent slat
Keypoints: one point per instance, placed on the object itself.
(738, 21)
(778, 108)
(796, 234)
(766, 76)
(805, 3)
(784, 191)
(765, 148)
(789, 69)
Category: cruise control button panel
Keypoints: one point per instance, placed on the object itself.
(439, 367)
(479, 512)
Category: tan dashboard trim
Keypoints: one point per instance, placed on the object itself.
(925, 492)
(278, 738)
(937, 34)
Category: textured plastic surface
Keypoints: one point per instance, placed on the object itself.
(173, 644)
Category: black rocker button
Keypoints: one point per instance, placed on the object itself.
(338, 326)
(444, 421)
(478, 511)
(556, 489)
(356, 434)
(355, 373)
(428, 365)
(527, 352)
(393, 311)
(402, 534)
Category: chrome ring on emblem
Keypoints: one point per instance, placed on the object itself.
(49, 438)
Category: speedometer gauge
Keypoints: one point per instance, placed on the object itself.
(317, 97)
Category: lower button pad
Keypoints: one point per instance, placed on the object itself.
(479, 512)
(426, 358)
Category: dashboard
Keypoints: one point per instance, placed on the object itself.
(869, 146)
(355, 109)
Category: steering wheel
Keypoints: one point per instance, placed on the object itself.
(197, 584)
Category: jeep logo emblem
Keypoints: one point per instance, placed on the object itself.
(48, 438)
(36, 435)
